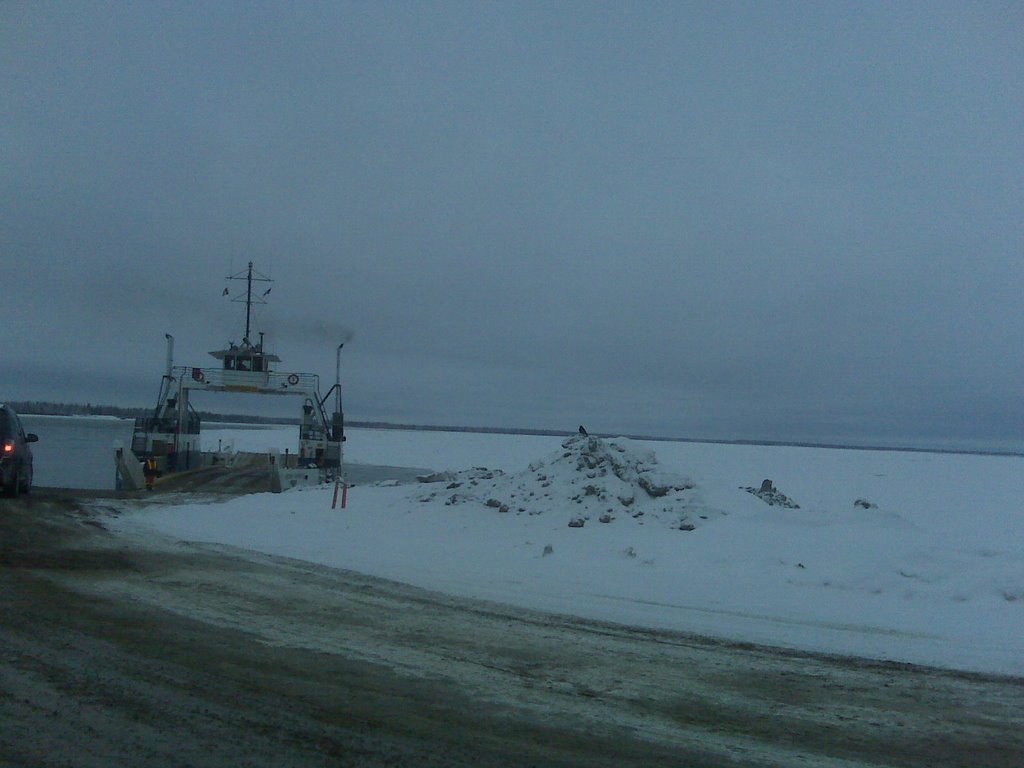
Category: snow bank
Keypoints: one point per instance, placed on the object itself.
(930, 571)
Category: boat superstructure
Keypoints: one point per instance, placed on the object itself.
(171, 434)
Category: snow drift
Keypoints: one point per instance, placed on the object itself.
(589, 479)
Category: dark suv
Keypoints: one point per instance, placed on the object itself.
(15, 455)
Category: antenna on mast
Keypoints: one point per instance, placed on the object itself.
(250, 275)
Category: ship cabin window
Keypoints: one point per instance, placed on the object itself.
(245, 363)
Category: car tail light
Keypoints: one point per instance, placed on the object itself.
(9, 446)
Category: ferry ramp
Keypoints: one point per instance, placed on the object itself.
(251, 473)
(245, 473)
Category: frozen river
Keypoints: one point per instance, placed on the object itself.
(76, 451)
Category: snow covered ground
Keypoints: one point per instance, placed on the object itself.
(929, 568)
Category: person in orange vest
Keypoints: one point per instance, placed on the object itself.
(150, 471)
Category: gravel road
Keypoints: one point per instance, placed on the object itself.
(119, 651)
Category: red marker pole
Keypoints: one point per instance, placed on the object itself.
(344, 495)
(334, 502)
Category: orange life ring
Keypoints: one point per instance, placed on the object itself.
(293, 379)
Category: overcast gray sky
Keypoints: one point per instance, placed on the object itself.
(740, 220)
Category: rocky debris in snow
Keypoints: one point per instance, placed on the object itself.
(457, 478)
(436, 477)
(590, 477)
(577, 522)
(483, 473)
(864, 504)
(548, 549)
(687, 527)
(655, 489)
(771, 495)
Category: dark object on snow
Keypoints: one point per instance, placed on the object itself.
(864, 504)
(687, 527)
(583, 431)
(605, 518)
(576, 522)
(772, 496)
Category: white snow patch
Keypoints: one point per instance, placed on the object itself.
(933, 573)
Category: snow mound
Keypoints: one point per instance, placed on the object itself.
(772, 496)
(589, 479)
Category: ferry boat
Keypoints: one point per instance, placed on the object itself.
(170, 435)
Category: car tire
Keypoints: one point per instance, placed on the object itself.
(27, 487)
(14, 488)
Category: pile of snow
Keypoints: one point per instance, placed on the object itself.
(589, 479)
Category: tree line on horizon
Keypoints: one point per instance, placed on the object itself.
(49, 408)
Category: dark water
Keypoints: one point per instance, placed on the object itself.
(76, 451)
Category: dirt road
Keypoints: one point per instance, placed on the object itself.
(123, 652)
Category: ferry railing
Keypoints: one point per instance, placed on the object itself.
(261, 382)
(149, 425)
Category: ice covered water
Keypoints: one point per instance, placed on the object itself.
(76, 451)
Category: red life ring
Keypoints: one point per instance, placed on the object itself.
(293, 379)
(197, 374)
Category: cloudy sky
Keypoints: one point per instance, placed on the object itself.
(739, 220)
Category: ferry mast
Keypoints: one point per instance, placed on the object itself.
(249, 275)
